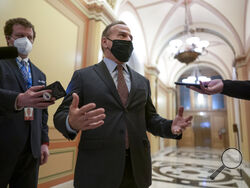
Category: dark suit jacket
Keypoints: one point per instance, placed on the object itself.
(101, 155)
(14, 130)
(236, 88)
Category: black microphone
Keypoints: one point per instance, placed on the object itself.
(8, 52)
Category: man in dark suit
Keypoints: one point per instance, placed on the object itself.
(23, 111)
(233, 88)
(114, 153)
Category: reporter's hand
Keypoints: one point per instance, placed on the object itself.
(33, 97)
(179, 123)
(44, 154)
(212, 87)
(86, 117)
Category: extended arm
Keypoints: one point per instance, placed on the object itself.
(238, 89)
(162, 127)
(232, 88)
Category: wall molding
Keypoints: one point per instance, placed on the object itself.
(240, 61)
(166, 88)
(66, 9)
(60, 174)
(151, 70)
(97, 10)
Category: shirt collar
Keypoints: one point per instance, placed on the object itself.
(111, 65)
(19, 59)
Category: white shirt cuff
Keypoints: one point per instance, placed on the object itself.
(69, 129)
(17, 109)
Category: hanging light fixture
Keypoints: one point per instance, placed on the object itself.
(195, 77)
(188, 51)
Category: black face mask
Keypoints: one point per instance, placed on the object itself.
(122, 49)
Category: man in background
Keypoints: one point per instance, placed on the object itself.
(23, 111)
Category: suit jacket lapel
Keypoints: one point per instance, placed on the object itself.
(18, 74)
(133, 78)
(104, 74)
(33, 75)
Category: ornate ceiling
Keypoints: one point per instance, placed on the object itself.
(224, 23)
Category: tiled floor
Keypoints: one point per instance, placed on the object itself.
(189, 168)
(192, 167)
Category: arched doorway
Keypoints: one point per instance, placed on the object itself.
(209, 127)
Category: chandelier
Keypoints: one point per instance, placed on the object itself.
(188, 49)
(195, 77)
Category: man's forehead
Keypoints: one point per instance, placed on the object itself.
(120, 28)
(18, 27)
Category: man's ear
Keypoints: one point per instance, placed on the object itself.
(104, 42)
(7, 37)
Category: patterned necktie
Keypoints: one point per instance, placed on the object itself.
(122, 86)
(123, 93)
(26, 74)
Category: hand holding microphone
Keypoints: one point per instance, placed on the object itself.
(8, 52)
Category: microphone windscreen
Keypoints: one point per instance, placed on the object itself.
(8, 52)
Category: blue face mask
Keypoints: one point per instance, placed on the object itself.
(122, 49)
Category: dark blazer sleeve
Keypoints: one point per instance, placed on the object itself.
(7, 100)
(37, 74)
(157, 125)
(7, 97)
(238, 89)
(44, 136)
(63, 110)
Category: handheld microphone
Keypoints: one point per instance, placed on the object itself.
(8, 52)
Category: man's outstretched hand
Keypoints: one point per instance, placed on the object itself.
(86, 117)
(179, 123)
